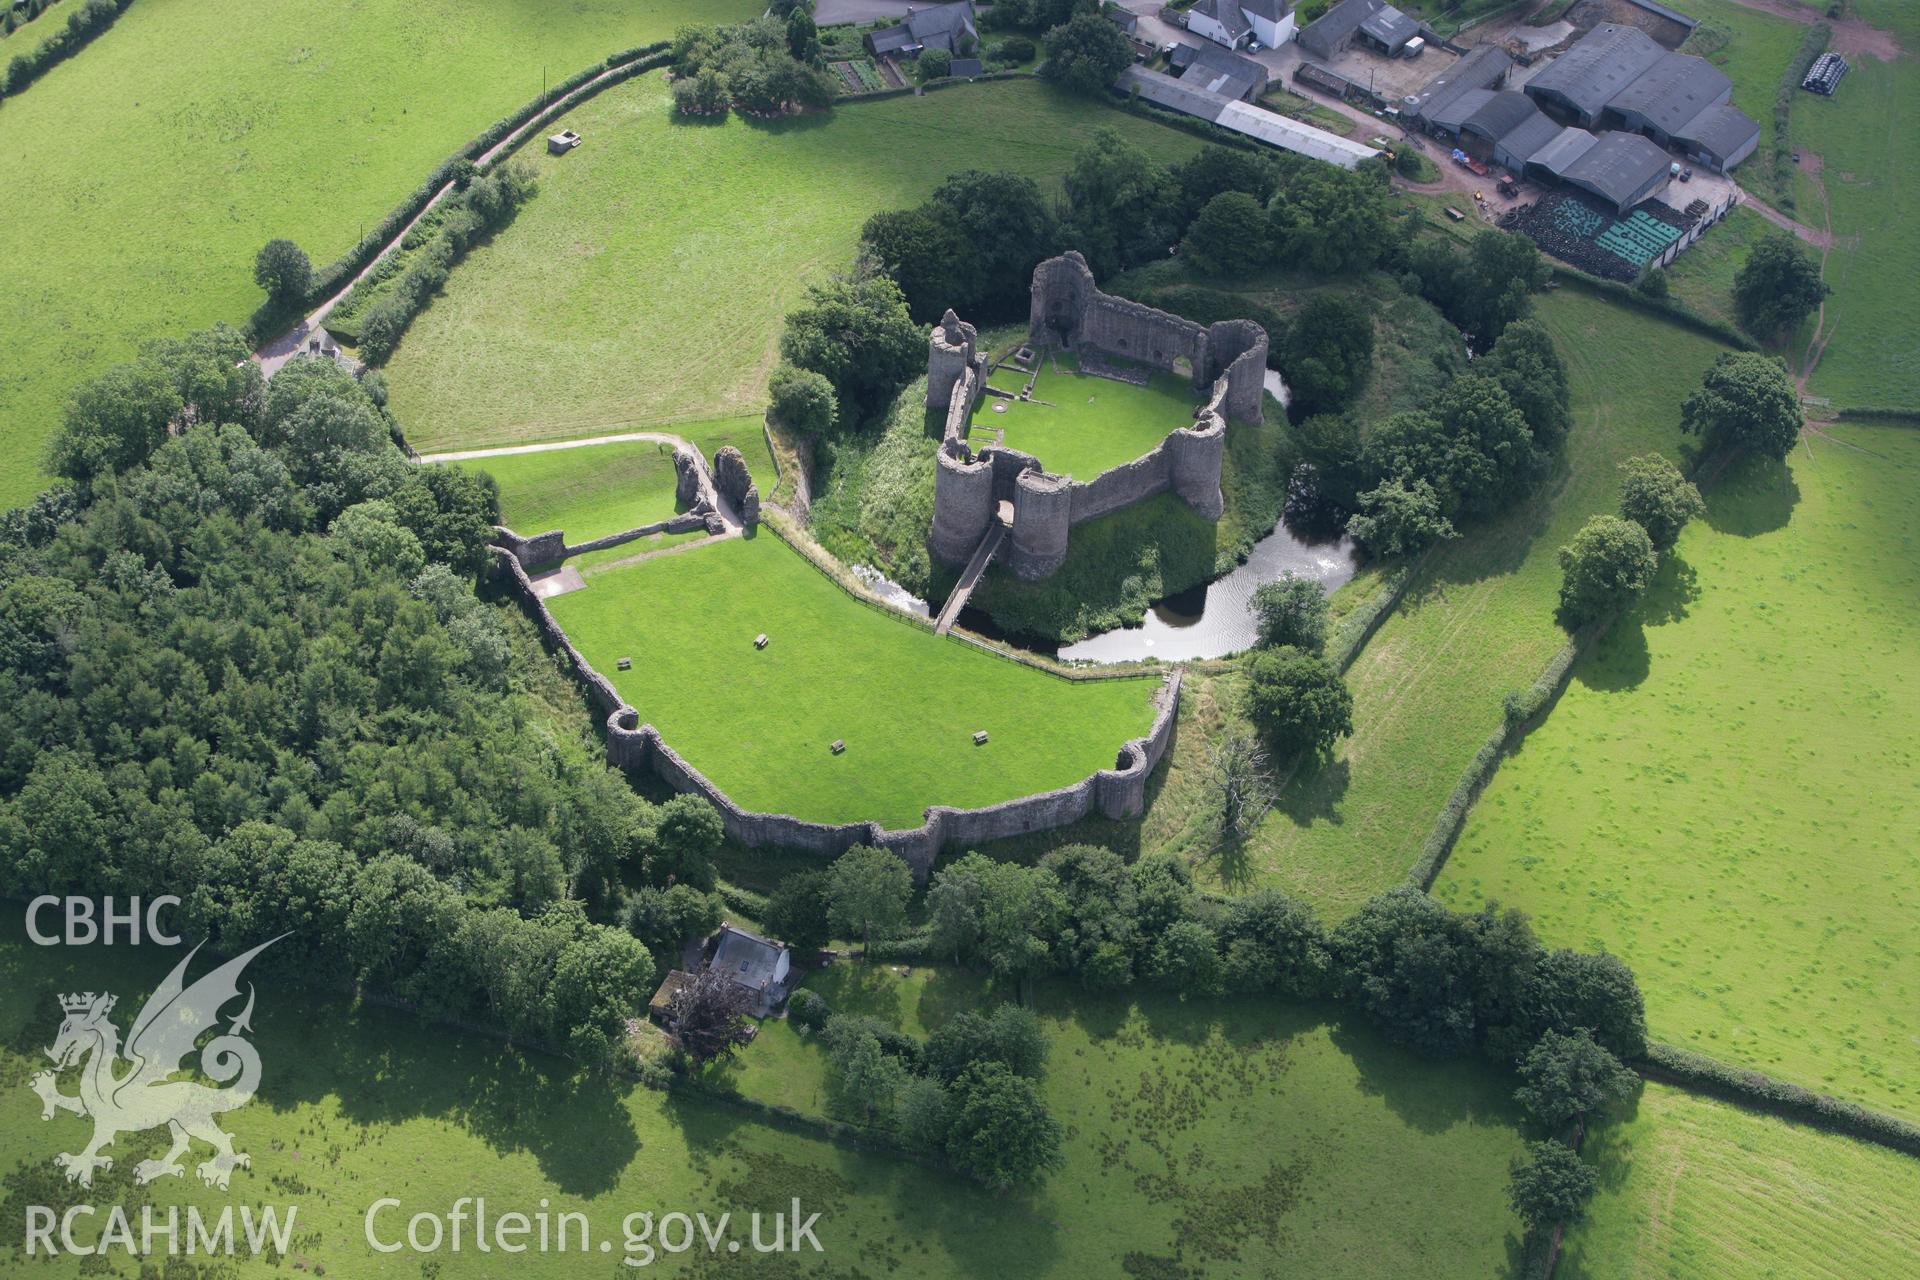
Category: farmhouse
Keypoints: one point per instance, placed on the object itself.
(1237, 23)
(751, 961)
(942, 26)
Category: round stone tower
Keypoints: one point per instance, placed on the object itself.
(962, 504)
(1042, 514)
(949, 354)
(1195, 455)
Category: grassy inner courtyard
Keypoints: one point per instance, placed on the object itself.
(907, 702)
(1079, 424)
(1726, 796)
(144, 173)
(646, 283)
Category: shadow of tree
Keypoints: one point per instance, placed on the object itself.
(1315, 793)
(1753, 496)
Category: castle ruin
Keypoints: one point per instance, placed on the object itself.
(1227, 362)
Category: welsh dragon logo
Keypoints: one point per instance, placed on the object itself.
(143, 1096)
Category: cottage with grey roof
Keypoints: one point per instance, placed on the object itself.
(942, 26)
(751, 961)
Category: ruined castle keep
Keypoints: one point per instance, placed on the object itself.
(1226, 360)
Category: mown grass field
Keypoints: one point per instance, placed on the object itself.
(1079, 425)
(606, 488)
(1695, 1189)
(1702, 277)
(646, 284)
(1868, 154)
(1229, 1139)
(143, 174)
(1727, 794)
(357, 1103)
(1477, 622)
(907, 702)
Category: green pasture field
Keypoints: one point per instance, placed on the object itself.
(357, 1103)
(1702, 276)
(1727, 794)
(606, 488)
(1241, 1138)
(1695, 1189)
(1867, 156)
(907, 702)
(144, 173)
(647, 282)
(1752, 48)
(1080, 425)
(1477, 622)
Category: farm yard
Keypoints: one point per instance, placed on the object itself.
(1726, 797)
(580, 319)
(1330, 1152)
(758, 722)
(195, 130)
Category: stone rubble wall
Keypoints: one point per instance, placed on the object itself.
(1118, 793)
(545, 548)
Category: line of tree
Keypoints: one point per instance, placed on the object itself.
(242, 659)
(83, 24)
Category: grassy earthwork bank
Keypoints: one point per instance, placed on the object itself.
(144, 173)
(1726, 795)
(758, 722)
(360, 1103)
(1477, 622)
(1696, 1189)
(645, 285)
(1223, 1139)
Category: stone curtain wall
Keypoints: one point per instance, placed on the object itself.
(1119, 792)
(545, 548)
(1228, 360)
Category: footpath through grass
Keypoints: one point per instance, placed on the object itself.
(1728, 793)
(1695, 1189)
(608, 488)
(758, 723)
(647, 282)
(1478, 622)
(358, 1103)
(1223, 1139)
(142, 175)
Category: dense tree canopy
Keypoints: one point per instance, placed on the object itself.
(1291, 610)
(867, 893)
(1777, 287)
(1551, 1187)
(1121, 204)
(1655, 496)
(1606, 567)
(283, 270)
(855, 332)
(1297, 701)
(1746, 402)
(1326, 352)
(1086, 52)
(1485, 288)
(1229, 237)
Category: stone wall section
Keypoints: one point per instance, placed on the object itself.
(1227, 361)
(1119, 792)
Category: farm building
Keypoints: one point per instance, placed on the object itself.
(1373, 24)
(1618, 77)
(1187, 96)
(940, 26)
(762, 967)
(1622, 169)
(1484, 68)
(1236, 23)
(1216, 70)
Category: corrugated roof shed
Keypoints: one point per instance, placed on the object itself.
(1336, 24)
(1621, 168)
(1484, 68)
(1290, 135)
(1223, 72)
(1672, 91)
(1176, 95)
(1460, 109)
(1722, 131)
(1501, 113)
(1558, 154)
(1515, 147)
(1605, 61)
(1390, 27)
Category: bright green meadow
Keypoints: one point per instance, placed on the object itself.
(1728, 792)
(360, 1103)
(646, 283)
(602, 489)
(144, 173)
(1477, 622)
(1223, 1139)
(1078, 424)
(758, 722)
(1694, 1189)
